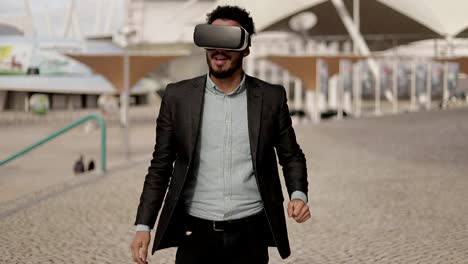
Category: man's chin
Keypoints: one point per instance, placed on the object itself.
(221, 74)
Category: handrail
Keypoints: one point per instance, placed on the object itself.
(96, 117)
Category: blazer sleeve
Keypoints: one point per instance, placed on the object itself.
(161, 166)
(290, 156)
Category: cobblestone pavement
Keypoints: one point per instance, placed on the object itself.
(391, 189)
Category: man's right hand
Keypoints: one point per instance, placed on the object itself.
(139, 246)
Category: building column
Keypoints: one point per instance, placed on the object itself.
(357, 91)
(261, 64)
(298, 104)
(413, 85)
(286, 76)
(395, 86)
(445, 90)
(377, 93)
(429, 85)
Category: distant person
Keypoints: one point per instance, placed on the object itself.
(218, 139)
(79, 166)
(91, 165)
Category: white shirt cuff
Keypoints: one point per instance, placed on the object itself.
(143, 228)
(299, 195)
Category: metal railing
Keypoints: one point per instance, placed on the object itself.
(101, 122)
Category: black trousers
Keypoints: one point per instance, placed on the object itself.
(231, 242)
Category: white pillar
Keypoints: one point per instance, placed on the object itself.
(323, 103)
(413, 86)
(378, 110)
(449, 45)
(332, 92)
(317, 116)
(311, 105)
(357, 89)
(395, 86)
(286, 76)
(274, 69)
(429, 86)
(124, 105)
(445, 91)
(298, 49)
(339, 97)
(261, 63)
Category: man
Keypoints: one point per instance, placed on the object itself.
(216, 137)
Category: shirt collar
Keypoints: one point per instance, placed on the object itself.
(211, 86)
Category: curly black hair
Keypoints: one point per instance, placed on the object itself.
(236, 13)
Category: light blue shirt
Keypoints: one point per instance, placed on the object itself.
(223, 186)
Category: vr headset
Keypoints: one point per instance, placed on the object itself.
(209, 36)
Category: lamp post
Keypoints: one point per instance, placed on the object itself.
(125, 35)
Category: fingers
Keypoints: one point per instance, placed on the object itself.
(302, 213)
(144, 252)
(298, 210)
(290, 209)
(298, 206)
(139, 248)
(135, 247)
(295, 207)
(304, 217)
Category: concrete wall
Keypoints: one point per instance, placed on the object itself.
(17, 101)
(91, 101)
(59, 101)
(3, 97)
(74, 101)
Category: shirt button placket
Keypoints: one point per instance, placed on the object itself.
(225, 154)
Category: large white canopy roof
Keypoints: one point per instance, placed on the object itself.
(267, 12)
(446, 17)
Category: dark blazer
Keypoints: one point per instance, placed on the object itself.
(177, 129)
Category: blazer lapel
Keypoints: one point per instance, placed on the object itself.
(196, 108)
(254, 114)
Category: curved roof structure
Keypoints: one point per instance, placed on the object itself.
(447, 18)
(376, 19)
(401, 19)
(266, 13)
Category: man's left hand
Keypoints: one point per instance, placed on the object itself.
(298, 210)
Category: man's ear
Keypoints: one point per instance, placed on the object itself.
(246, 52)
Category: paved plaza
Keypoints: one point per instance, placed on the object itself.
(392, 189)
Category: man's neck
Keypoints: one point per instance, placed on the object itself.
(227, 85)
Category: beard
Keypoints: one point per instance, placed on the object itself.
(236, 63)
